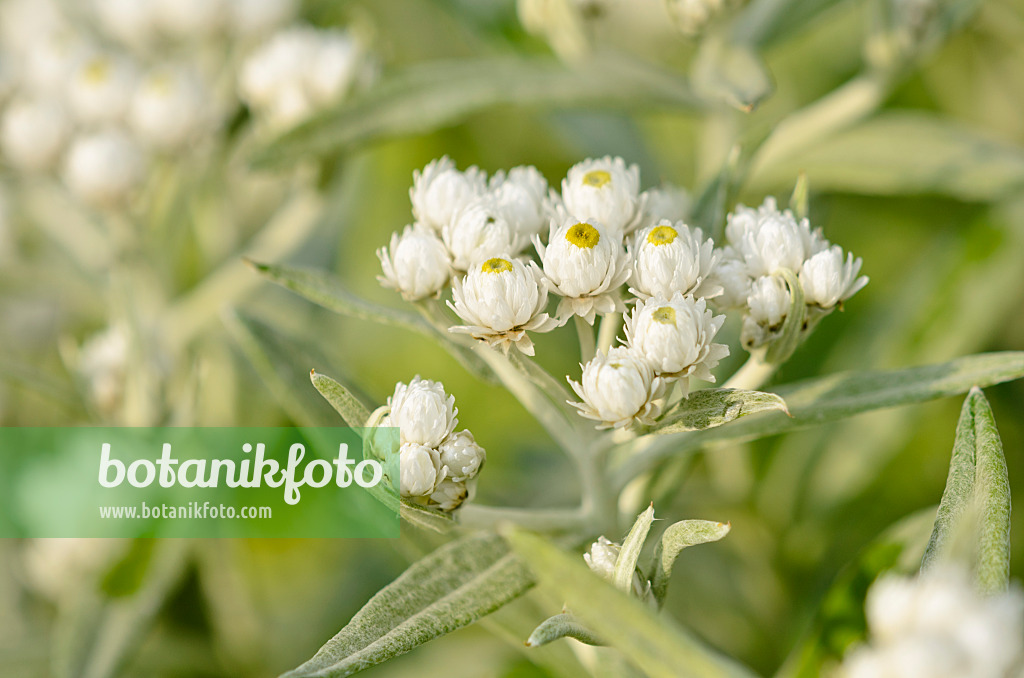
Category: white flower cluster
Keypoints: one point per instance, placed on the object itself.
(438, 465)
(937, 626)
(761, 244)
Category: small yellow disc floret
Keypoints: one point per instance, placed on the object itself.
(496, 265)
(583, 235)
(662, 235)
(665, 315)
(597, 178)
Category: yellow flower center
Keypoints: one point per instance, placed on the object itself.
(662, 235)
(666, 315)
(583, 235)
(160, 83)
(597, 178)
(97, 70)
(496, 265)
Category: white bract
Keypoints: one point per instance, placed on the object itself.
(420, 468)
(478, 232)
(33, 133)
(501, 300)
(104, 167)
(423, 412)
(606, 191)
(828, 280)
(519, 196)
(767, 307)
(101, 88)
(586, 264)
(602, 556)
(618, 388)
(462, 456)
(671, 258)
(675, 336)
(416, 263)
(168, 108)
(937, 626)
(440, 191)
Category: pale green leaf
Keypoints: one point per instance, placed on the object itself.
(629, 554)
(452, 587)
(783, 346)
(341, 399)
(713, 407)
(562, 626)
(424, 97)
(799, 202)
(677, 537)
(426, 518)
(657, 645)
(732, 73)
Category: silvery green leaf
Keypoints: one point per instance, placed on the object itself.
(657, 645)
(562, 626)
(677, 537)
(341, 399)
(450, 588)
(629, 554)
(837, 396)
(711, 407)
(782, 347)
(424, 97)
(977, 489)
(732, 73)
(799, 201)
(426, 518)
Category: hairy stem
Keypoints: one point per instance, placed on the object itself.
(754, 373)
(610, 325)
(585, 332)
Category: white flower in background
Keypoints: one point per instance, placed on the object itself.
(188, 19)
(478, 232)
(101, 88)
(103, 168)
(675, 336)
(520, 197)
(101, 365)
(419, 470)
(938, 626)
(691, 16)
(618, 388)
(669, 259)
(602, 556)
(769, 240)
(666, 202)
(51, 60)
(24, 22)
(132, 22)
(462, 456)
(254, 17)
(169, 108)
(828, 280)
(501, 300)
(416, 263)
(33, 133)
(730, 274)
(423, 412)
(441, 190)
(605, 191)
(586, 264)
(767, 307)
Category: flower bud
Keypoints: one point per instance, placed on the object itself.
(441, 190)
(606, 191)
(675, 336)
(602, 556)
(618, 388)
(828, 280)
(478, 232)
(672, 258)
(423, 412)
(461, 455)
(167, 109)
(519, 197)
(419, 470)
(416, 264)
(101, 89)
(33, 133)
(103, 168)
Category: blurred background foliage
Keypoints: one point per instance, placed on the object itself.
(905, 117)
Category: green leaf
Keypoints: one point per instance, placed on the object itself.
(341, 399)
(713, 407)
(977, 489)
(711, 206)
(657, 645)
(562, 626)
(836, 396)
(784, 345)
(800, 200)
(452, 587)
(425, 518)
(677, 537)
(424, 97)
(731, 72)
(629, 554)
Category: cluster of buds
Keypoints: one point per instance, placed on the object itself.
(764, 245)
(438, 466)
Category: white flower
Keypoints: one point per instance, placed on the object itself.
(828, 280)
(101, 364)
(769, 301)
(168, 108)
(730, 274)
(478, 232)
(188, 19)
(666, 202)
(602, 556)
(441, 190)
(586, 264)
(133, 22)
(618, 388)
(336, 67)
(33, 133)
(606, 191)
(675, 336)
(670, 259)
(101, 89)
(51, 62)
(769, 240)
(520, 198)
(104, 167)
(938, 626)
(419, 470)
(423, 412)
(416, 264)
(449, 494)
(502, 300)
(461, 456)
(252, 17)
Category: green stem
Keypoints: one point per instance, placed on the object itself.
(610, 325)
(585, 332)
(754, 373)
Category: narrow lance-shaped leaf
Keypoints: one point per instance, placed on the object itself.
(657, 645)
(341, 399)
(800, 200)
(562, 625)
(677, 537)
(629, 554)
(451, 588)
(713, 407)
